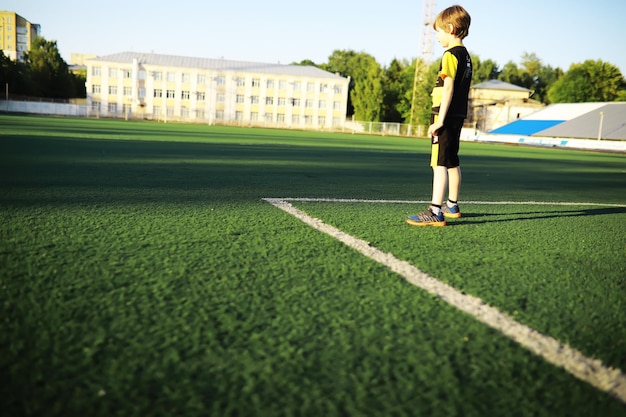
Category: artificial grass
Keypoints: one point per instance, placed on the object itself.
(143, 275)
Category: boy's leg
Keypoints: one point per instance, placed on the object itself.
(440, 183)
(454, 183)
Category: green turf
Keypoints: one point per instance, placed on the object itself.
(142, 274)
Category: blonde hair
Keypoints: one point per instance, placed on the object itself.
(456, 16)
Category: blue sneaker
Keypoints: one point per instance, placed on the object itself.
(451, 212)
(427, 218)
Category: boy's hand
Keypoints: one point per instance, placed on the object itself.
(432, 129)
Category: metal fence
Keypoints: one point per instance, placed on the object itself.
(82, 110)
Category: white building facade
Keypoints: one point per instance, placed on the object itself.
(215, 91)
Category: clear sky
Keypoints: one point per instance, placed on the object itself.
(559, 32)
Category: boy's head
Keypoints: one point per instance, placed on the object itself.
(454, 20)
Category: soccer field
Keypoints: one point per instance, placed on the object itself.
(165, 269)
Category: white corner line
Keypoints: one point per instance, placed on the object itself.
(592, 371)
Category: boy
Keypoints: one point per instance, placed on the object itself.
(450, 97)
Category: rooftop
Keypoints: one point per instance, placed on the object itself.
(216, 64)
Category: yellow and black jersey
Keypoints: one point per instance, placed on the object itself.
(457, 64)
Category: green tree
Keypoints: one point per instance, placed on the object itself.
(537, 77)
(484, 70)
(15, 75)
(420, 96)
(367, 95)
(363, 69)
(394, 87)
(591, 81)
(49, 72)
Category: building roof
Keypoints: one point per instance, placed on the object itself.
(611, 115)
(572, 120)
(498, 85)
(217, 64)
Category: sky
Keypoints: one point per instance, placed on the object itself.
(559, 32)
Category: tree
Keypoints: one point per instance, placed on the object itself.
(484, 70)
(15, 75)
(591, 81)
(363, 69)
(367, 95)
(394, 86)
(537, 77)
(49, 72)
(421, 98)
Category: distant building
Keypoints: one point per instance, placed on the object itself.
(167, 87)
(16, 35)
(496, 103)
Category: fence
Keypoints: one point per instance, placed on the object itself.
(82, 110)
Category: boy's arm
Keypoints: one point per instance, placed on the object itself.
(446, 97)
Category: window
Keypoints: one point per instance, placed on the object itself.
(171, 77)
(112, 89)
(239, 99)
(112, 72)
(282, 84)
(269, 101)
(321, 120)
(280, 118)
(170, 94)
(126, 109)
(112, 108)
(158, 75)
(141, 74)
(199, 114)
(254, 116)
(336, 105)
(95, 89)
(270, 84)
(95, 106)
(185, 78)
(323, 88)
(128, 91)
(184, 111)
(308, 104)
(295, 119)
(254, 99)
(201, 79)
(239, 116)
(240, 81)
(297, 85)
(310, 87)
(200, 96)
(337, 89)
(158, 93)
(95, 71)
(184, 95)
(308, 120)
(220, 97)
(256, 82)
(322, 104)
(127, 73)
(269, 117)
(220, 80)
(169, 111)
(295, 102)
(156, 110)
(141, 92)
(282, 101)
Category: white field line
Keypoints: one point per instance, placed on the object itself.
(507, 203)
(592, 371)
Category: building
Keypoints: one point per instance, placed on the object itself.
(167, 87)
(496, 103)
(16, 35)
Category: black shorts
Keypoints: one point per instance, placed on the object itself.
(445, 146)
